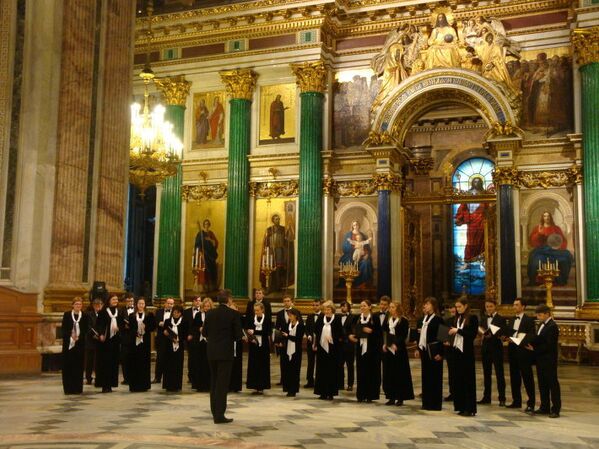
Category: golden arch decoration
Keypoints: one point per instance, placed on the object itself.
(429, 89)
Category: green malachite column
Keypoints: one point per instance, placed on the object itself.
(240, 86)
(311, 78)
(586, 45)
(175, 91)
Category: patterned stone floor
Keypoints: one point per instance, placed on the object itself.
(36, 415)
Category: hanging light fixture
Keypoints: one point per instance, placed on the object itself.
(155, 151)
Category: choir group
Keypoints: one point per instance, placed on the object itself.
(107, 336)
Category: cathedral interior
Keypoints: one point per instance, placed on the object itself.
(326, 149)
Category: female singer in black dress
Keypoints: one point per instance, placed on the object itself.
(175, 330)
(141, 325)
(201, 382)
(74, 329)
(431, 356)
(328, 345)
(367, 333)
(258, 331)
(464, 386)
(108, 330)
(292, 353)
(397, 377)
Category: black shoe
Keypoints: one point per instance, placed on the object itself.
(399, 403)
(448, 398)
(323, 397)
(290, 395)
(501, 403)
(554, 415)
(540, 411)
(514, 405)
(390, 402)
(223, 420)
(309, 385)
(484, 401)
(529, 410)
(106, 390)
(350, 388)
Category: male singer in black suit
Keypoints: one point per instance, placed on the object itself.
(258, 297)
(545, 346)
(449, 354)
(91, 340)
(348, 355)
(126, 335)
(282, 325)
(161, 340)
(222, 327)
(521, 359)
(310, 329)
(492, 351)
(193, 338)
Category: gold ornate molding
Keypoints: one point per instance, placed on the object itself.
(175, 89)
(239, 83)
(203, 192)
(422, 165)
(274, 189)
(311, 76)
(329, 186)
(506, 129)
(586, 45)
(388, 181)
(538, 179)
(377, 139)
(410, 197)
(365, 187)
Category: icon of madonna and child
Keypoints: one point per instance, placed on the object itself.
(357, 250)
(548, 243)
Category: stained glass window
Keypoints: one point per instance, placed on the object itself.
(473, 176)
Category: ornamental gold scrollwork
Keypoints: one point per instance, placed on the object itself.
(240, 83)
(329, 186)
(388, 181)
(376, 139)
(586, 45)
(203, 192)
(364, 187)
(274, 189)
(175, 89)
(422, 165)
(505, 129)
(538, 179)
(311, 76)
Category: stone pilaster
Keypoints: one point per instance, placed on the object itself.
(114, 132)
(240, 85)
(175, 91)
(311, 79)
(586, 46)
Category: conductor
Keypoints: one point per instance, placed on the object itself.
(221, 328)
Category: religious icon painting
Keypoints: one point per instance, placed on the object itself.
(472, 177)
(356, 245)
(208, 129)
(277, 114)
(274, 245)
(547, 240)
(545, 79)
(204, 246)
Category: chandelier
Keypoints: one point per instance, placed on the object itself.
(155, 151)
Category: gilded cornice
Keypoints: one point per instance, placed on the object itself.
(203, 192)
(174, 89)
(388, 181)
(586, 45)
(377, 139)
(422, 165)
(329, 186)
(538, 179)
(363, 187)
(410, 197)
(274, 189)
(239, 83)
(311, 76)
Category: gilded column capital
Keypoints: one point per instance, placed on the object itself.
(239, 83)
(329, 186)
(586, 45)
(388, 181)
(506, 176)
(175, 89)
(422, 165)
(311, 76)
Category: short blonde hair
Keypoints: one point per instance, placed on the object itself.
(77, 299)
(329, 304)
(208, 300)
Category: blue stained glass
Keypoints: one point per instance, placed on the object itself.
(472, 176)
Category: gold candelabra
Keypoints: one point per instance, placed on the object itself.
(268, 266)
(548, 271)
(348, 271)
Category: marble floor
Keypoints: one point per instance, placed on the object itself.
(35, 414)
